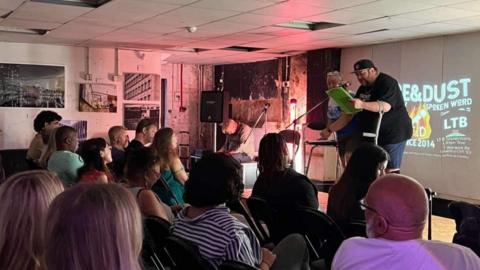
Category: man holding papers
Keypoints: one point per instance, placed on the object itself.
(379, 94)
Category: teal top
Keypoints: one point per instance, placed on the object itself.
(66, 165)
(175, 186)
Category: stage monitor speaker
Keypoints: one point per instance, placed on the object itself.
(214, 106)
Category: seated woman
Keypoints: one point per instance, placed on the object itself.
(142, 171)
(93, 227)
(96, 154)
(207, 222)
(278, 184)
(24, 201)
(170, 187)
(367, 163)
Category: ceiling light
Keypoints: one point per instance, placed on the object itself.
(308, 26)
(16, 30)
(78, 3)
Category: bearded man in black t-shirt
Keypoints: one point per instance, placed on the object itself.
(380, 92)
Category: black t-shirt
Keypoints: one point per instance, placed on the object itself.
(286, 188)
(396, 125)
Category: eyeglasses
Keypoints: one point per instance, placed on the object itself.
(364, 206)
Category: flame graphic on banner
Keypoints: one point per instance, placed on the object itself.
(420, 122)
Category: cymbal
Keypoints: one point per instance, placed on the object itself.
(317, 125)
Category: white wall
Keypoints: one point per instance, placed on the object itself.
(16, 124)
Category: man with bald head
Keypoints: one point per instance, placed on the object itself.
(396, 212)
(238, 141)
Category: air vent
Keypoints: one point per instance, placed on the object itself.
(243, 49)
(308, 26)
(4, 16)
(374, 31)
(8, 29)
(78, 3)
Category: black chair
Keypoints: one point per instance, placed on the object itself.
(353, 228)
(467, 221)
(322, 234)
(239, 207)
(262, 215)
(185, 254)
(154, 253)
(234, 265)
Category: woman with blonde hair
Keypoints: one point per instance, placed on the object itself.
(94, 227)
(24, 201)
(170, 186)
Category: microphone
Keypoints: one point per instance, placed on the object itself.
(266, 106)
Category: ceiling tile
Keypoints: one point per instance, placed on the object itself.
(152, 28)
(390, 7)
(10, 4)
(341, 16)
(439, 14)
(124, 35)
(29, 24)
(235, 5)
(257, 20)
(374, 25)
(129, 10)
(80, 31)
(291, 10)
(470, 5)
(333, 4)
(190, 16)
(48, 12)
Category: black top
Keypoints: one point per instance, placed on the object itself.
(287, 188)
(132, 146)
(118, 162)
(396, 125)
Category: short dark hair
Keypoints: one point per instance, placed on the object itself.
(90, 153)
(45, 117)
(214, 180)
(139, 161)
(62, 133)
(144, 123)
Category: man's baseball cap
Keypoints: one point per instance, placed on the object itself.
(363, 64)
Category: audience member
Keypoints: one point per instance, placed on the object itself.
(367, 163)
(93, 227)
(277, 183)
(207, 223)
(64, 161)
(144, 133)
(43, 124)
(396, 208)
(238, 141)
(96, 154)
(170, 185)
(119, 141)
(49, 149)
(24, 201)
(142, 171)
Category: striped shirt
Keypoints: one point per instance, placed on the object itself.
(219, 236)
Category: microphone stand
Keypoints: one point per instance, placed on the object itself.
(294, 123)
(264, 112)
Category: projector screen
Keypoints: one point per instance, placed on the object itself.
(440, 82)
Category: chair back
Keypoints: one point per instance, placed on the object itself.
(262, 215)
(322, 234)
(234, 265)
(239, 207)
(467, 220)
(185, 254)
(353, 228)
(154, 253)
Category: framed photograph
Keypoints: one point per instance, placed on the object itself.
(133, 113)
(97, 97)
(79, 125)
(35, 86)
(141, 87)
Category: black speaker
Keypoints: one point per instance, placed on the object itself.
(214, 106)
